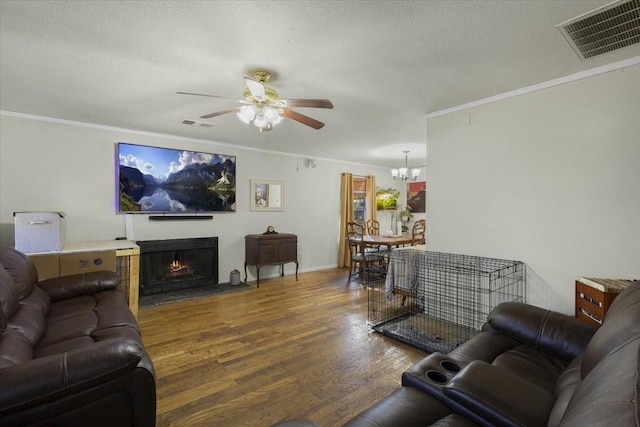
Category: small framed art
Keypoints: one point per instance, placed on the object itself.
(266, 196)
(416, 196)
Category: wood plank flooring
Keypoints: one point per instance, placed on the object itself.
(285, 350)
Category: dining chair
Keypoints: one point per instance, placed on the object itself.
(418, 232)
(373, 228)
(361, 261)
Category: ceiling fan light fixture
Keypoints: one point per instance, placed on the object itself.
(260, 121)
(264, 108)
(271, 114)
(264, 118)
(247, 113)
(277, 120)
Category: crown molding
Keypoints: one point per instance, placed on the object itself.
(168, 136)
(540, 86)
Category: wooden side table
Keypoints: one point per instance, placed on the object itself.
(594, 297)
(270, 249)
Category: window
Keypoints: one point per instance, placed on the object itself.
(359, 199)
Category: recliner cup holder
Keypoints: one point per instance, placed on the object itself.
(433, 373)
(436, 376)
(450, 366)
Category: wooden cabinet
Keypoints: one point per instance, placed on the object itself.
(594, 296)
(270, 249)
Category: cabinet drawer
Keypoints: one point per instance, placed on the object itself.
(589, 303)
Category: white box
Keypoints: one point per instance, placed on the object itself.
(39, 231)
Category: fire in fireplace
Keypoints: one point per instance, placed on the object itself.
(176, 269)
(175, 264)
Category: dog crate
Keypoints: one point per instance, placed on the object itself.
(435, 301)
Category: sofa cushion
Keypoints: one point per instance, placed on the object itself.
(29, 318)
(20, 267)
(405, 406)
(608, 394)
(75, 285)
(622, 324)
(84, 320)
(61, 374)
(8, 297)
(555, 333)
(534, 366)
(483, 346)
(565, 388)
(15, 348)
(490, 396)
(81, 324)
(629, 297)
(29, 322)
(38, 300)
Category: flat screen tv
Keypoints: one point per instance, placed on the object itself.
(165, 180)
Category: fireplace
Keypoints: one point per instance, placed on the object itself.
(176, 264)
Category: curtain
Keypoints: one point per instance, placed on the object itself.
(346, 215)
(372, 209)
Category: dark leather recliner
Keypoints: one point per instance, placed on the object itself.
(528, 367)
(70, 351)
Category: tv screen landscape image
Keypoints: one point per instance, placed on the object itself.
(165, 180)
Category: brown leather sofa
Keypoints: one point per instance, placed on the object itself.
(528, 367)
(70, 351)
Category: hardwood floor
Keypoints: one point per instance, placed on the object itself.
(286, 350)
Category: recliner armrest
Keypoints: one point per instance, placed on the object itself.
(559, 334)
(75, 285)
(494, 397)
(47, 378)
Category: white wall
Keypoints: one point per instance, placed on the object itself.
(57, 166)
(551, 178)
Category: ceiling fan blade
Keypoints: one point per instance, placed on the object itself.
(219, 113)
(307, 103)
(241, 101)
(256, 88)
(202, 94)
(305, 120)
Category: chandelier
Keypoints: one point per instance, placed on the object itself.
(264, 118)
(402, 173)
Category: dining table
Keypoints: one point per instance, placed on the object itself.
(374, 241)
(388, 240)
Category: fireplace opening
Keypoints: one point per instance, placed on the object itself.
(176, 264)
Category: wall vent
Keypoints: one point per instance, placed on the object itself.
(197, 123)
(603, 30)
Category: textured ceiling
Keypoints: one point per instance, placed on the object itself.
(384, 65)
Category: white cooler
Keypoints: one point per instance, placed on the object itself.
(39, 231)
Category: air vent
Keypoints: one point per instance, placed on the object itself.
(196, 123)
(603, 30)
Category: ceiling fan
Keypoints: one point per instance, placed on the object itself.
(263, 107)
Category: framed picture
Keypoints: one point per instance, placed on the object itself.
(266, 196)
(416, 192)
